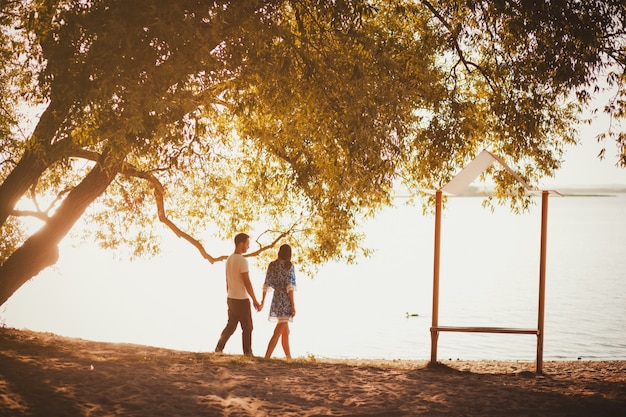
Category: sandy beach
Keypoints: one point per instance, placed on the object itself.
(43, 374)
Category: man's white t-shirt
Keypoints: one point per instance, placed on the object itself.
(236, 264)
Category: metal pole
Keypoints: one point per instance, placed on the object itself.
(542, 280)
(434, 334)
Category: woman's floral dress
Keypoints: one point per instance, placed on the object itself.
(281, 277)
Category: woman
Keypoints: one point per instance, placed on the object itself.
(281, 277)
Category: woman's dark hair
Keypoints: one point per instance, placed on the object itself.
(284, 254)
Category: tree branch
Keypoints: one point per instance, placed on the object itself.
(159, 193)
(274, 243)
(454, 35)
(29, 213)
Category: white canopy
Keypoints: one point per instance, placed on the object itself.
(476, 167)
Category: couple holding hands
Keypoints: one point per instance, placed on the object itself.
(280, 277)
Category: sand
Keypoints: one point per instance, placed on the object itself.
(42, 374)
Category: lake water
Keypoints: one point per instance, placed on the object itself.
(489, 277)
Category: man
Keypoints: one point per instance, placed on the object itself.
(238, 287)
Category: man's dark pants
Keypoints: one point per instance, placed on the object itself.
(239, 311)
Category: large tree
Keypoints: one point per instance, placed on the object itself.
(292, 117)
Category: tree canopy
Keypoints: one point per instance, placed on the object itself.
(296, 117)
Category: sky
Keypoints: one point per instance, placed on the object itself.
(581, 164)
(583, 167)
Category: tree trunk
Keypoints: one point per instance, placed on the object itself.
(38, 156)
(40, 250)
(23, 176)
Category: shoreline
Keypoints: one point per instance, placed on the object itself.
(43, 374)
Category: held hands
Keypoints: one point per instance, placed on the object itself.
(259, 306)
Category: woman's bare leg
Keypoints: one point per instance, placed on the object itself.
(285, 340)
(278, 330)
